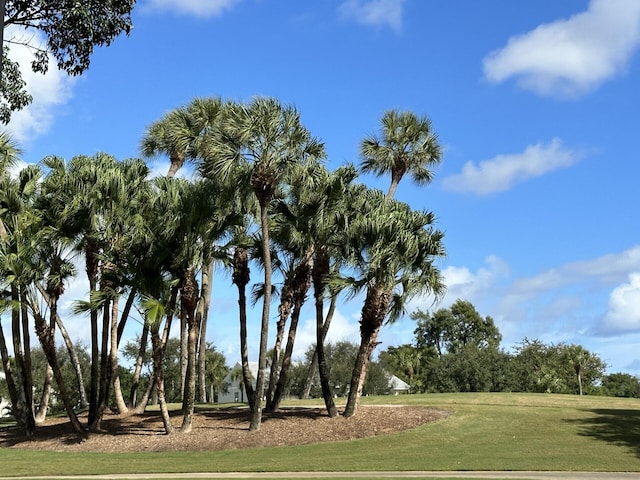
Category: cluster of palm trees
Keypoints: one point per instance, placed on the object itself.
(261, 198)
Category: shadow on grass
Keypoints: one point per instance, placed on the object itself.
(619, 427)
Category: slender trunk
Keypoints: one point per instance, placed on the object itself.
(202, 318)
(23, 407)
(256, 412)
(241, 279)
(73, 355)
(142, 405)
(302, 282)
(92, 267)
(158, 346)
(47, 341)
(105, 373)
(313, 368)
(184, 352)
(374, 310)
(75, 361)
(320, 273)
(28, 370)
(284, 309)
(43, 406)
(137, 372)
(286, 359)
(117, 328)
(121, 405)
(8, 373)
(189, 299)
(158, 373)
(580, 382)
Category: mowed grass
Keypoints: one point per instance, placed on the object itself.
(484, 432)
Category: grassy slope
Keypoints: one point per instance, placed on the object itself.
(484, 432)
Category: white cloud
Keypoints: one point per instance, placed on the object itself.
(606, 269)
(198, 8)
(568, 58)
(464, 284)
(504, 171)
(624, 307)
(49, 91)
(384, 13)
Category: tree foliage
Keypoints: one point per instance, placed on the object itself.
(71, 29)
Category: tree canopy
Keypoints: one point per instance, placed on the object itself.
(71, 29)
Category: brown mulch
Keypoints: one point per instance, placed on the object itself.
(221, 429)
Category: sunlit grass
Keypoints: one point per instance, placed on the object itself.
(483, 432)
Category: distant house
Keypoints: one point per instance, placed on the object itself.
(397, 386)
(234, 391)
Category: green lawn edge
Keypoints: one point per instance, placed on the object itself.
(485, 431)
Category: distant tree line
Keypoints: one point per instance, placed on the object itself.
(457, 350)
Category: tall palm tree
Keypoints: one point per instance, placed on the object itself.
(19, 272)
(268, 140)
(406, 145)
(9, 156)
(178, 134)
(393, 250)
(9, 202)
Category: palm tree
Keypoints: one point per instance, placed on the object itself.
(9, 156)
(392, 253)
(9, 202)
(407, 144)
(178, 134)
(267, 140)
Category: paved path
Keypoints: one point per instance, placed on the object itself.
(439, 474)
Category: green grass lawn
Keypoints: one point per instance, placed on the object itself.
(484, 432)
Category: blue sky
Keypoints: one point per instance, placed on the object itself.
(534, 102)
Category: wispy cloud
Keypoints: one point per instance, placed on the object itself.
(49, 91)
(505, 171)
(198, 8)
(568, 58)
(378, 13)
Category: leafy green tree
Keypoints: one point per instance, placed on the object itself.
(216, 371)
(621, 385)
(451, 329)
(72, 30)
(340, 360)
(588, 367)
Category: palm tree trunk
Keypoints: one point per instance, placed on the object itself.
(23, 407)
(114, 377)
(202, 319)
(374, 311)
(158, 373)
(241, 279)
(8, 373)
(284, 309)
(28, 371)
(189, 299)
(75, 361)
(135, 381)
(320, 272)
(92, 266)
(43, 407)
(313, 367)
(256, 412)
(47, 342)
